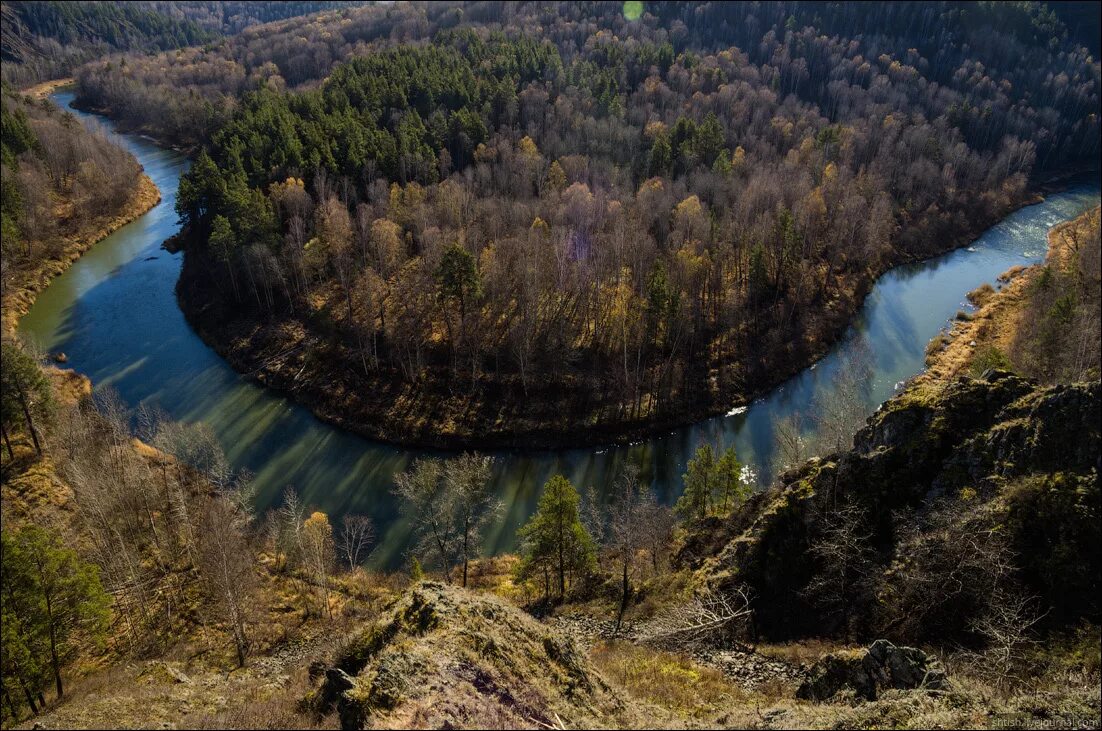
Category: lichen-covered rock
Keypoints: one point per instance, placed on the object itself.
(870, 671)
(445, 657)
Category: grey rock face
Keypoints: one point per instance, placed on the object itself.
(868, 672)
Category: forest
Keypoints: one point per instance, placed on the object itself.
(623, 222)
(43, 40)
(57, 176)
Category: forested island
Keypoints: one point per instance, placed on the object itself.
(474, 225)
(554, 225)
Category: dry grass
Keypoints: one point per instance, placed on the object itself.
(45, 88)
(668, 680)
(985, 337)
(981, 294)
(804, 652)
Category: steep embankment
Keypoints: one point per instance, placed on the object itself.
(958, 488)
(1011, 452)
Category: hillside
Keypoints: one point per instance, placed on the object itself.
(991, 481)
(442, 656)
(47, 39)
(964, 521)
(1042, 321)
(44, 40)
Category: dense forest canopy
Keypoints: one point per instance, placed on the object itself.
(43, 40)
(233, 16)
(639, 213)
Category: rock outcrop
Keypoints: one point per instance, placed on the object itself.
(443, 657)
(981, 436)
(869, 672)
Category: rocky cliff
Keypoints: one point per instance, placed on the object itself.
(993, 460)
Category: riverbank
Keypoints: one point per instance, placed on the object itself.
(323, 374)
(26, 282)
(45, 88)
(993, 329)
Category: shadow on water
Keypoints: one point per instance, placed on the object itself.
(114, 313)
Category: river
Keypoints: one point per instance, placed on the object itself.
(114, 314)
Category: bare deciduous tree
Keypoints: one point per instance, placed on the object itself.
(1007, 627)
(845, 568)
(428, 504)
(468, 481)
(357, 534)
(227, 568)
(633, 507)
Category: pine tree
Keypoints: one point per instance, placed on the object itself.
(54, 599)
(554, 539)
(25, 394)
(730, 490)
(699, 481)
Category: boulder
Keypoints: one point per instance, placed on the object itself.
(868, 672)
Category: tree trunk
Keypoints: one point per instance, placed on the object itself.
(30, 697)
(30, 422)
(624, 598)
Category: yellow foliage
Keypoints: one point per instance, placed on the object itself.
(318, 521)
(691, 263)
(527, 147)
(556, 176)
(623, 309)
(482, 153)
(487, 259)
(653, 129)
(830, 172)
(651, 184)
(689, 209)
(816, 206)
(739, 158)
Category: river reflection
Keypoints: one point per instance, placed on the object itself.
(114, 313)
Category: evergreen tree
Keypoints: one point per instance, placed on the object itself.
(25, 394)
(661, 156)
(53, 600)
(730, 488)
(554, 541)
(699, 479)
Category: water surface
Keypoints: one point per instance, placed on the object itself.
(114, 313)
